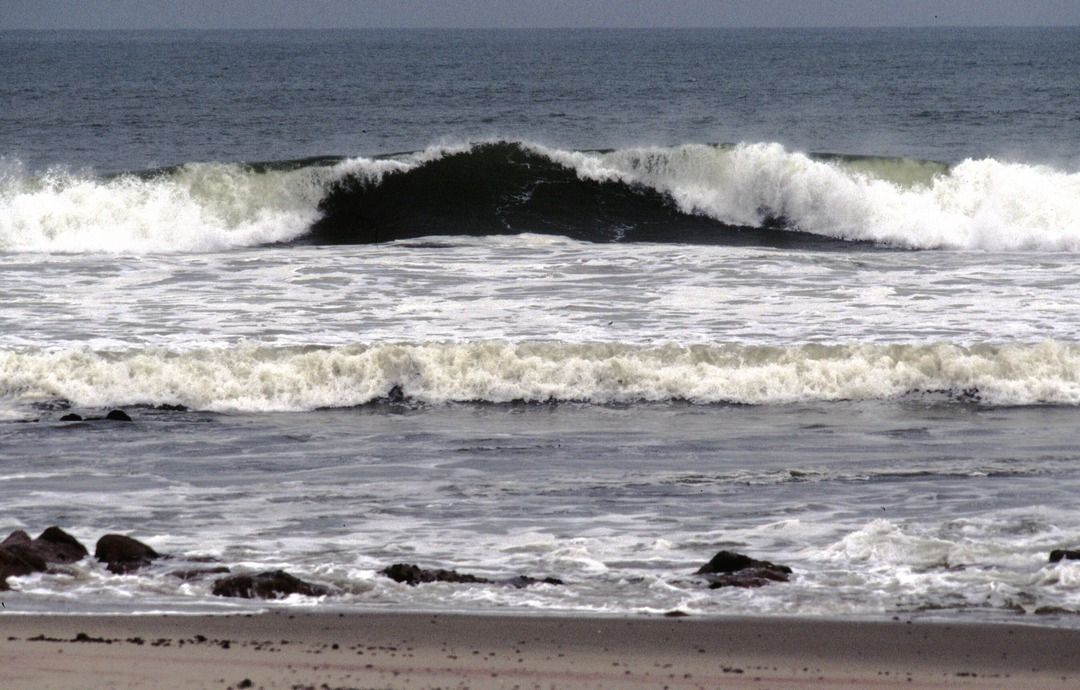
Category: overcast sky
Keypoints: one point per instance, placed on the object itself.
(140, 14)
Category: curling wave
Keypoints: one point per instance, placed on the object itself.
(759, 194)
(250, 378)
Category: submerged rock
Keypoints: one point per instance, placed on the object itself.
(1064, 555)
(117, 416)
(71, 418)
(523, 581)
(196, 573)
(122, 554)
(273, 584)
(730, 569)
(414, 575)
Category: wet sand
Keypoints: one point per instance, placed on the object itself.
(387, 650)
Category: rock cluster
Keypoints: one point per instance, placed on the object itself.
(112, 416)
(21, 555)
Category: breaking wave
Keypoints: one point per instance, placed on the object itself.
(251, 378)
(758, 194)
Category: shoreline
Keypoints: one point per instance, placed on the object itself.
(283, 649)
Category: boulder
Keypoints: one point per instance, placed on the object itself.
(414, 575)
(122, 554)
(57, 546)
(117, 416)
(730, 569)
(1064, 555)
(18, 559)
(274, 584)
(21, 555)
(71, 418)
(17, 537)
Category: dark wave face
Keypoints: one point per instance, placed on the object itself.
(505, 188)
(743, 194)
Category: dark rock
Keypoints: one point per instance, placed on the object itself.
(396, 395)
(196, 573)
(273, 584)
(730, 569)
(415, 575)
(122, 554)
(57, 546)
(166, 407)
(1064, 555)
(17, 537)
(71, 418)
(747, 577)
(731, 562)
(18, 559)
(523, 581)
(118, 416)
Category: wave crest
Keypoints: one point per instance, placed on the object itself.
(758, 194)
(249, 378)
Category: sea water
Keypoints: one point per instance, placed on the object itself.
(586, 304)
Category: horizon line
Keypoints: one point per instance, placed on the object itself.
(550, 28)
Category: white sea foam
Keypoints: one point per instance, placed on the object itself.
(977, 204)
(261, 378)
(197, 207)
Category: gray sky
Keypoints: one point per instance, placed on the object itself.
(138, 14)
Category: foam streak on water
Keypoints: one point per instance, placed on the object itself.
(534, 288)
(880, 508)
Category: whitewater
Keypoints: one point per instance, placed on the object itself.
(972, 205)
(376, 297)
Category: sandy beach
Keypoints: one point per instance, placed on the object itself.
(386, 650)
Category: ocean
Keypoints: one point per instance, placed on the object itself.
(591, 305)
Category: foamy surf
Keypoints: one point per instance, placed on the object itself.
(197, 207)
(985, 204)
(250, 378)
(976, 204)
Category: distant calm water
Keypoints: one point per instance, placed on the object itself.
(807, 295)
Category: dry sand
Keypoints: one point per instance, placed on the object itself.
(386, 650)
